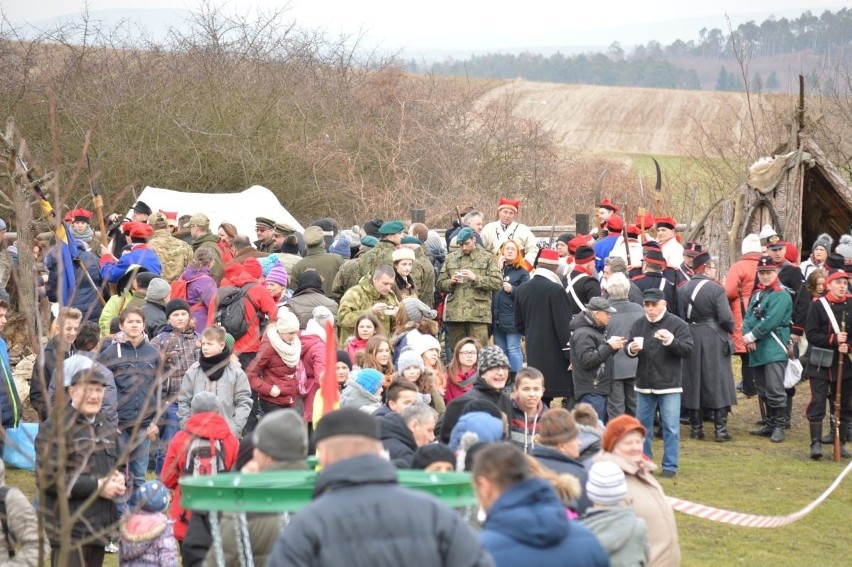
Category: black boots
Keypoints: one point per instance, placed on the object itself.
(776, 415)
(696, 424)
(788, 412)
(761, 405)
(766, 422)
(816, 440)
(720, 424)
(844, 436)
(828, 438)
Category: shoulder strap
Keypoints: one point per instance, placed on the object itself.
(831, 316)
(692, 298)
(573, 293)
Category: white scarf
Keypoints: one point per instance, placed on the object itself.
(288, 353)
(314, 328)
(547, 274)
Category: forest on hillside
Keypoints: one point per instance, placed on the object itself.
(825, 39)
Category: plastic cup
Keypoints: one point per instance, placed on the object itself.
(640, 342)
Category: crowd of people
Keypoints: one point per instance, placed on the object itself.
(545, 369)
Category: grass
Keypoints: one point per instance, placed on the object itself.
(749, 474)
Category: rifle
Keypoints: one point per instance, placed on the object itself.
(837, 392)
(624, 236)
(95, 188)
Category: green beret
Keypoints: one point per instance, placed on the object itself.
(391, 227)
(464, 235)
(369, 241)
(408, 239)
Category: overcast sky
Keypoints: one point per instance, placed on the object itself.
(462, 24)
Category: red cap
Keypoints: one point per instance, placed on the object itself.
(692, 249)
(584, 255)
(614, 223)
(618, 428)
(667, 222)
(836, 274)
(69, 217)
(606, 204)
(648, 220)
(633, 231)
(138, 230)
(580, 240)
(170, 215)
(509, 204)
(549, 256)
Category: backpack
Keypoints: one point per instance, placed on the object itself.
(179, 288)
(204, 457)
(231, 310)
(10, 546)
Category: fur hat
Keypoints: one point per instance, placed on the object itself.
(618, 428)
(490, 357)
(606, 485)
(407, 359)
(153, 496)
(824, 240)
(425, 343)
(402, 254)
(751, 243)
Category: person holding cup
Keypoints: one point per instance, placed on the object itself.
(660, 341)
(373, 294)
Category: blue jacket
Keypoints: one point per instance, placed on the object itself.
(603, 248)
(528, 526)
(136, 382)
(503, 306)
(85, 297)
(140, 255)
(10, 403)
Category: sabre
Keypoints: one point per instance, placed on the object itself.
(837, 393)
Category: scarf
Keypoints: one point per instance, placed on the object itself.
(214, 366)
(831, 299)
(288, 353)
(315, 329)
(86, 236)
(774, 286)
(547, 274)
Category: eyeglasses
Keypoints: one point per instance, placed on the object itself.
(467, 352)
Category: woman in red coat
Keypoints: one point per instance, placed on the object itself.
(739, 284)
(272, 374)
(208, 425)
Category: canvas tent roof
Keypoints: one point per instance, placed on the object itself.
(239, 209)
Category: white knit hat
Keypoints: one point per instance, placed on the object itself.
(751, 243)
(606, 484)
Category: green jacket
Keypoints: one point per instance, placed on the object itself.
(470, 301)
(380, 255)
(113, 309)
(776, 310)
(211, 241)
(325, 264)
(347, 276)
(361, 298)
(423, 274)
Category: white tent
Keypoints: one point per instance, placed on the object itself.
(239, 209)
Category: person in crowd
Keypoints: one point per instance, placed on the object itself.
(84, 480)
(390, 238)
(671, 248)
(827, 321)
(403, 262)
(558, 449)
(341, 246)
(118, 228)
(366, 327)
(469, 276)
(429, 350)
(622, 444)
(604, 246)
(179, 346)
(766, 334)
(378, 356)
(135, 364)
(308, 296)
(422, 271)
(819, 253)
(342, 370)
(590, 431)
(363, 391)
(374, 293)
(411, 367)
(492, 375)
(276, 284)
(414, 319)
(202, 237)
(615, 265)
(476, 427)
(272, 374)
(244, 250)
(525, 522)
(654, 277)
(289, 254)
(614, 522)
(495, 233)
(113, 269)
(20, 526)
(541, 310)
(317, 259)
(174, 254)
(434, 457)
(217, 372)
(154, 307)
(622, 397)
(226, 232)
(631, 255)
(402, 433)
(399, 395)
(353, 477)
(663, 342)
(265, 236)
(201, 288)
(79, 221)
(313, 358)
(582, 281)
(146, 535)
(87, 277)
(514, 268)
(473, 219)
(461, 371)
(527, 408)
(708, 380)
(739, 285)
(592, 352)
(59, 348)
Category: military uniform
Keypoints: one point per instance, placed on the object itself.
(347, 277)
(325, 264)
(359, 299)
(380, 255)
(468, 304)
(423, 274)
(174, 254)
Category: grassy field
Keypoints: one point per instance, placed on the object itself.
(750, 475)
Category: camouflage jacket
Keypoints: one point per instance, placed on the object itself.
(361, 298)
(174, 254)
(423, 274)
(347, 277)
(470, 301)
(381, 255)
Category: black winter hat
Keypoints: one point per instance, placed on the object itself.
(347, 421)
(176, 305)
(432, 453)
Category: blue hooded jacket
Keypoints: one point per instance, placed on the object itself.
(528, 526)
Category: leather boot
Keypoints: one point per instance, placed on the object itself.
(788, 412)
(776, 415)
(766, 421)
(696, 424)
(761, 405)
(816, 441)
(828, 438)
(844, 436)
(720, 424)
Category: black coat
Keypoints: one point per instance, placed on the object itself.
(43, 370)
(85, 297)
(397, 440)
(480, 392)
(660, 369)
(561, 463)
(657, 280)
(360, 516)
(708, 380)
(92, 451)
(820, 333)
(585, 287)
(503, 305)
(543, 314)
(591, 358)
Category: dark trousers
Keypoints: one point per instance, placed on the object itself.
(84, 556)
(622, 399)
(823, 390)
(749, 386)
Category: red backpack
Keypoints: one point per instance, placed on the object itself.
(179, 288)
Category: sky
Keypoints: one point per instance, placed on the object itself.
(472, 24)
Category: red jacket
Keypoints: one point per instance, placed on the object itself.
(267, 370)
(209, 425)
(740, 281)
(236, 276)
(313, 357)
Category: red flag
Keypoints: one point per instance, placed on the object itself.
(328, 388)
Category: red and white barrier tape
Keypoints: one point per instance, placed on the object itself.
(752, 520)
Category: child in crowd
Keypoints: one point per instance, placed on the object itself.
(341, 371)
(461, 372)
(364, 390)
(527, 407)
(430, 351)
(411, 367)
(146, 535)
(366, 327)
(591, 431)
(377, 355)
